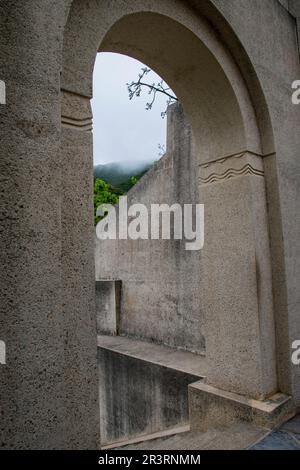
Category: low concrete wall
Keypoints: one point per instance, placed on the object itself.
(138, 397)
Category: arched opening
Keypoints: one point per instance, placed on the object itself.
(204, 78)
(235, 286)
(129, 125)
(124, 129)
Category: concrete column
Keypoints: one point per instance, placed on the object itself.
(49, 382)
(78, 273)
(31, 382)
(236, 282)
(233, 270)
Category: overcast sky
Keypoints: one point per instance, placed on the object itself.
(123, 129)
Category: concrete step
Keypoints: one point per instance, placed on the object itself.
(212, 407)
(147, 437)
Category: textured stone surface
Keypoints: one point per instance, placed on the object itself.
(236, 286)
(211, 407)
(78, 282)
(32, 390)
(45, 395)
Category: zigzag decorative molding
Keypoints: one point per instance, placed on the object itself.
(242, 164)
(231, 173)
(85, 125)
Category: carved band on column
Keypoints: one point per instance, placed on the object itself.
(242, 164)
(76, 112)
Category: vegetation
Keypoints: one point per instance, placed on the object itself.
(105, 193)
(115, 179)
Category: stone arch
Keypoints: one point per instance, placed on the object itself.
(205, 79)
(47, 319)
(232, 138)
(224, 102)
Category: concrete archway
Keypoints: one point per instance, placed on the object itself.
(49, 390)
(232, 139)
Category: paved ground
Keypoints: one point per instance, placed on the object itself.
(237, 437)
(287, 437)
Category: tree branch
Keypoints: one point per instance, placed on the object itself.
(135, 89)
(173, 97)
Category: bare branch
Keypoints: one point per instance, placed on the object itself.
(159, 90)
(135, 89)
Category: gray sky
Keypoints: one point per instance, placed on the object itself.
(123, 129)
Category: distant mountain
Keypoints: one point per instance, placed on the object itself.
(117, 173)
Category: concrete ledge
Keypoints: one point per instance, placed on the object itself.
(164, 356)
(211, 407)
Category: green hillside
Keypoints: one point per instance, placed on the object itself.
(119, 173)
(112, 184)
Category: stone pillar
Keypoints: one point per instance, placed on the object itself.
(31, 322)
(48, 386)
(78, 273)
(236, 284)
(233, 270)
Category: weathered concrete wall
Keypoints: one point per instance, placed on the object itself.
(160, 279)
(48, 387)
(139, 398)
